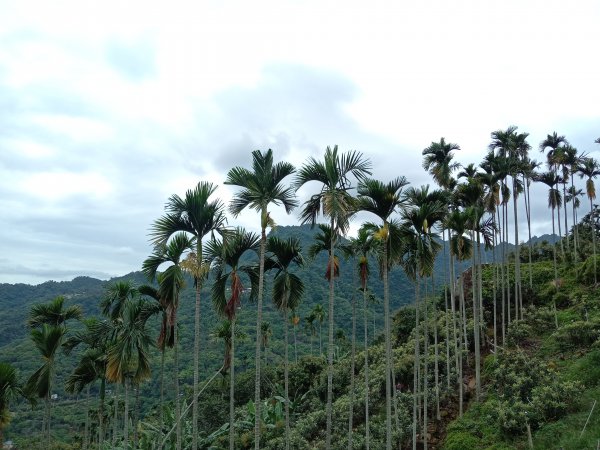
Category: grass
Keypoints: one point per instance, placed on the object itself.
(565, 433)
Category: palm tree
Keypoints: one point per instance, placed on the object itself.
(438, 161)
(460, 249)
(196, 215)
(590, 168)
(49, 323)
(115, 300)
(113, 305)
(361, 247)
(323, 241)
(288, 290)
(128, 360)
(47, 340)
(570, 164)
(555, 156)
(85, 374)
(53, 313)
(514, 147)
(226, 258)
(489, 181)
(529, 174)
(382, 200)
(261, 187)
(335, 202)
(424, 211)
(223, 332)
(170, 283)
(10, 390)
(92, 363)
(550, 179)
(151, 292)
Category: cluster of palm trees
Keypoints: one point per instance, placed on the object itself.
(475, 213)
(469, 210)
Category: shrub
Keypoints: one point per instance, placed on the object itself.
(528, 392)
(460, 441)
(561, 299)
(586, 272)
(518, 332)
(578, 334)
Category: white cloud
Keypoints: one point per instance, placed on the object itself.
(108, 108)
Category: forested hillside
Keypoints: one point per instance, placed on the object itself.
(427, 329)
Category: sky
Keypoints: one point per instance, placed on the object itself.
(107, 108)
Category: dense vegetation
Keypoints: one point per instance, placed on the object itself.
(504, 356)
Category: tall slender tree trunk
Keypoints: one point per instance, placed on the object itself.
(593, 225)
(476, 339)
(507, 273)
(196, 346)
(436, 362)
(101, 412)
(455, 332)
(330, 339)
(136, 416)
(555, 274)
(177, 399)
(115, 416)
(232, 388)
(162, 391)
(48, 417)
(126, 415)
(352, 365)
(425, 366)
(518, 300)
(320, 340)
(86, 433)
(366, 343)
(374, 333)
(463, 308)
(395, 402)
(261, 279)
(286, 378)
(566, 215)
(446, 310)
(575, 231)
(295, 344)
(388, 347)
(494, 285)
(501, 270)
(528, 214)
(560, 240)
(416, 365)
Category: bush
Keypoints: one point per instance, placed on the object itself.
(578, 334)
(518, 332)
(528, 392)
(540, 319)
(461, 441)
(586, 272)
(561, 299)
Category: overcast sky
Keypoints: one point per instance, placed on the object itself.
(109, 107)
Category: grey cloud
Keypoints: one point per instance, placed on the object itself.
(9, 268)
(294, 110)
(291, 107)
